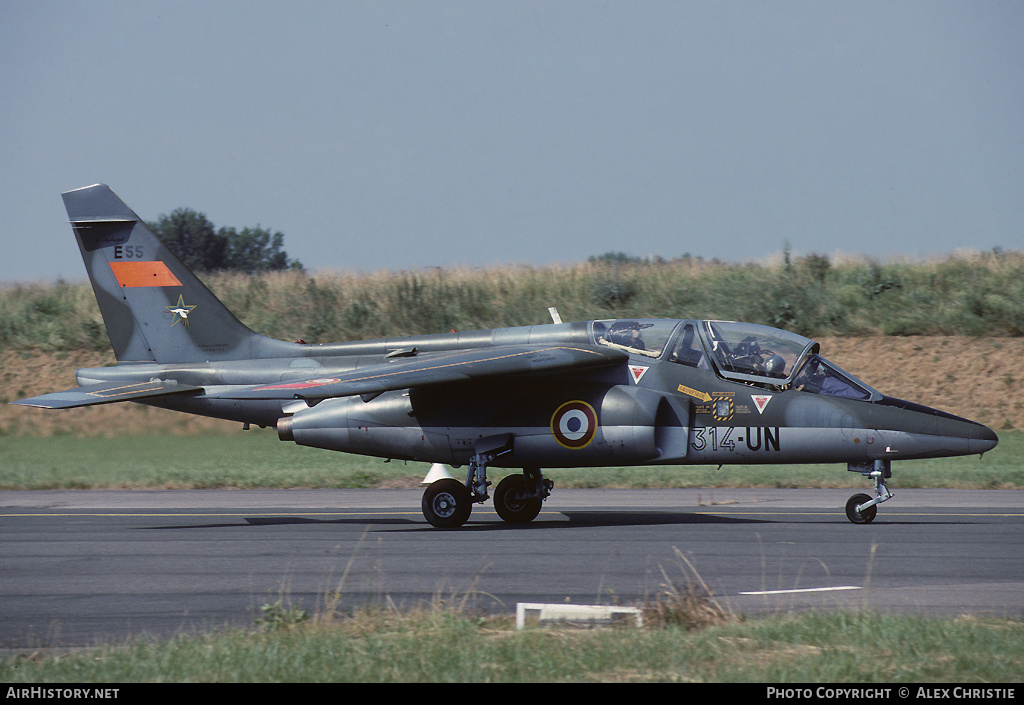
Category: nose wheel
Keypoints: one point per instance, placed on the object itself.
(862, 508)
(857, 515)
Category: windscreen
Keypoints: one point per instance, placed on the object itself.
(819, 376)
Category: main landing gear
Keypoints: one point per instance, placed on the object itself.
(447, 503)
(861, 508)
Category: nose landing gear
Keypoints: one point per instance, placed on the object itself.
(861, 508)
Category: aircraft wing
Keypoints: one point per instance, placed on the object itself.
(105, 393)
(431, 370)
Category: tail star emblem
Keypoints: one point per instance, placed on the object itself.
(180, 311)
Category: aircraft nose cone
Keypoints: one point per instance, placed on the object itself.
(983, 439)
(976, 438)
(951, 435)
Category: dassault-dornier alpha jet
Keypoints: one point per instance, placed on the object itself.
(587, 394)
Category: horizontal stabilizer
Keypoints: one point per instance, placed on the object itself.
(105, 393)
(443, 369)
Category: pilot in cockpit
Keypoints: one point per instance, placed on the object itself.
(749, 356)
(627, 334)
(775, 366)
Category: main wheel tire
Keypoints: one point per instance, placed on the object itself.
(863, 517)
(446, 504)
(511, 502)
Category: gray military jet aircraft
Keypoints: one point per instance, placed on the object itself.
(592, 393)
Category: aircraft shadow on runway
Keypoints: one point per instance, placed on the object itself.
(282, 521)
(591, 519)
(573, 519)
(605, 518)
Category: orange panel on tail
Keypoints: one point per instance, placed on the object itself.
(135, 274)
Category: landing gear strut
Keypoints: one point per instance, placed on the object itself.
(447, 503)
(861, 508)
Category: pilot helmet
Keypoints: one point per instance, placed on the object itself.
(775, 366)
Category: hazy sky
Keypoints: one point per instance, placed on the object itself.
(395, 135)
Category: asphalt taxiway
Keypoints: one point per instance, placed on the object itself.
(79, 567)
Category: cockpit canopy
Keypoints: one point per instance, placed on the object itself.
(752, 353)
(742, 352)
(646, 336)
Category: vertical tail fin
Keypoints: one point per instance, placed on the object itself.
(154, 307)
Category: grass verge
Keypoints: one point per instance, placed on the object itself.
(256, 459)
(439, 645)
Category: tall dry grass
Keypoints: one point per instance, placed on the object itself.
(970, 293)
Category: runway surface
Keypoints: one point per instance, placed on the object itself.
(78, 567)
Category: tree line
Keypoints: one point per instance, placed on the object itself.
(205, 248)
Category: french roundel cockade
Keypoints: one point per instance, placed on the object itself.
(574, 424)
